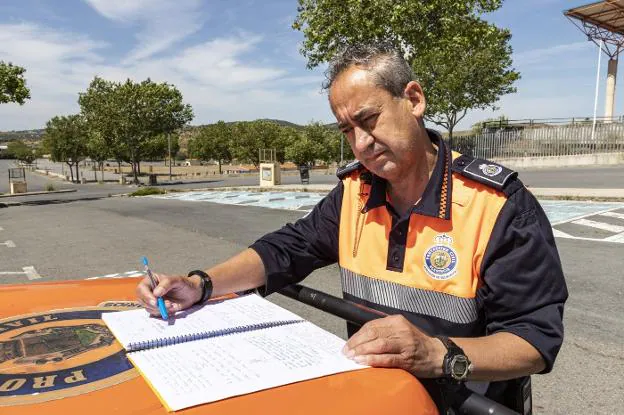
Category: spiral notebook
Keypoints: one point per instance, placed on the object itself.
(225, 349)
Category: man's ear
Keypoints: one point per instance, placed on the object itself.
(414, 93)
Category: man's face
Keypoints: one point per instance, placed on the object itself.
(380, 128)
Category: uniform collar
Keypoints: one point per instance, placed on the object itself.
(436, 199)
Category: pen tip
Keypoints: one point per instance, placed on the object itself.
(144, 260)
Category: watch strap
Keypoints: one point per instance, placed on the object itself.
(453, 351)
(206, 285)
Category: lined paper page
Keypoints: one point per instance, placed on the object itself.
(134, 327)
(208, 370)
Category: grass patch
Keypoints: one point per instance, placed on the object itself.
(146, 191)
(49, 187)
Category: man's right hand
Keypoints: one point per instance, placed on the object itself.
(179, 292)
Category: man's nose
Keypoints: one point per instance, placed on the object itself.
(363, 139)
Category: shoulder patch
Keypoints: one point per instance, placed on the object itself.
(349, 168)
(483, 171)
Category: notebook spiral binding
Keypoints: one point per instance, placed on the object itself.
(168, 341)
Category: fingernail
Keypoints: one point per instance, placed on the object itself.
(350, 353)
(153, 303)
(359, 359)
(158, 292)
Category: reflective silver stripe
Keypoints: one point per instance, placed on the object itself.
(415, 300)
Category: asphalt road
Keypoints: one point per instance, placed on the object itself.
(606, 177)
(91, 238)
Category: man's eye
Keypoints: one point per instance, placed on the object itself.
(370, 122)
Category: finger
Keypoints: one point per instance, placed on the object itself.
(369, 332)
(380, 345)
(144, 293)
(173, 306)
(152, 310)
(381, 360)
(164, 286)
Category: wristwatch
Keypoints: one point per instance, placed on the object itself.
(206, 285)
(456, 365)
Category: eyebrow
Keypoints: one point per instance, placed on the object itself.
(359, 116)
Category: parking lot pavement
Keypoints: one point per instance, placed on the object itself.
(591, 221)
(105, 238)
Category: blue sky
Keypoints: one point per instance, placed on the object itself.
(239, 59)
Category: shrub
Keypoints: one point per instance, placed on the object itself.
(49, 187)
(146, 191)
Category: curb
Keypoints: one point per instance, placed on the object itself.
(40, 193)
(591, 195)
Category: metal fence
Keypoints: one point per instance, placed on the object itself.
(562, 140)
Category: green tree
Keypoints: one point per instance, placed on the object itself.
(97, 150)
(22, 152)
(157, 147)
(303, 150)
(214, 142)
(461, 61)
(133, 114)
(252, 136)
(98, 107)
(66, 140)
(12, 84)
(471, 71)
(499, 122)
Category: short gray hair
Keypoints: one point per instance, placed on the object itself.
(386, 64)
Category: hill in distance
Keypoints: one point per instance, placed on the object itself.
(37, 134)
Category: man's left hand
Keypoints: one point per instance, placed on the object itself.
(395, 342)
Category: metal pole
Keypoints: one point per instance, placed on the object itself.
(596, 93)
(341, 149)
(169, 145)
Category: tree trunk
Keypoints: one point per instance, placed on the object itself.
(139, 167)
(95, 172)
(102, 170)
(71, 171)
(219, 163)
(134, 172)
(450, 136)
(77, 173)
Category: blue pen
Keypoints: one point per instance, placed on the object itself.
(161, 302)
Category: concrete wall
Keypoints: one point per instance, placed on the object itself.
(602, 159)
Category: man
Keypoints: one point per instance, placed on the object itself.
(455, 249)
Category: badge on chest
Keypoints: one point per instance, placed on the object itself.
(441, 260)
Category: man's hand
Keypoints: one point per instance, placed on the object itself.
(395, 342)
(179, 292)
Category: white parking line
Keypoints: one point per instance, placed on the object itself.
(30, 273)
(585, 215)
(616, 238)
(599, 225)
(608, 214)
(8, 244)
(128, 274)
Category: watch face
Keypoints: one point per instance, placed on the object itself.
(459, 367)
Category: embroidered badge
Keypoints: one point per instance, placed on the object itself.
(441, 259)
(490, 170)
(56, 354)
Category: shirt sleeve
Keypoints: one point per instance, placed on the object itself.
(524, 289)
(291, 253)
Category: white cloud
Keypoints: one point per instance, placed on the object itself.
(163, 23)
(217, 77)
(534, 56)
